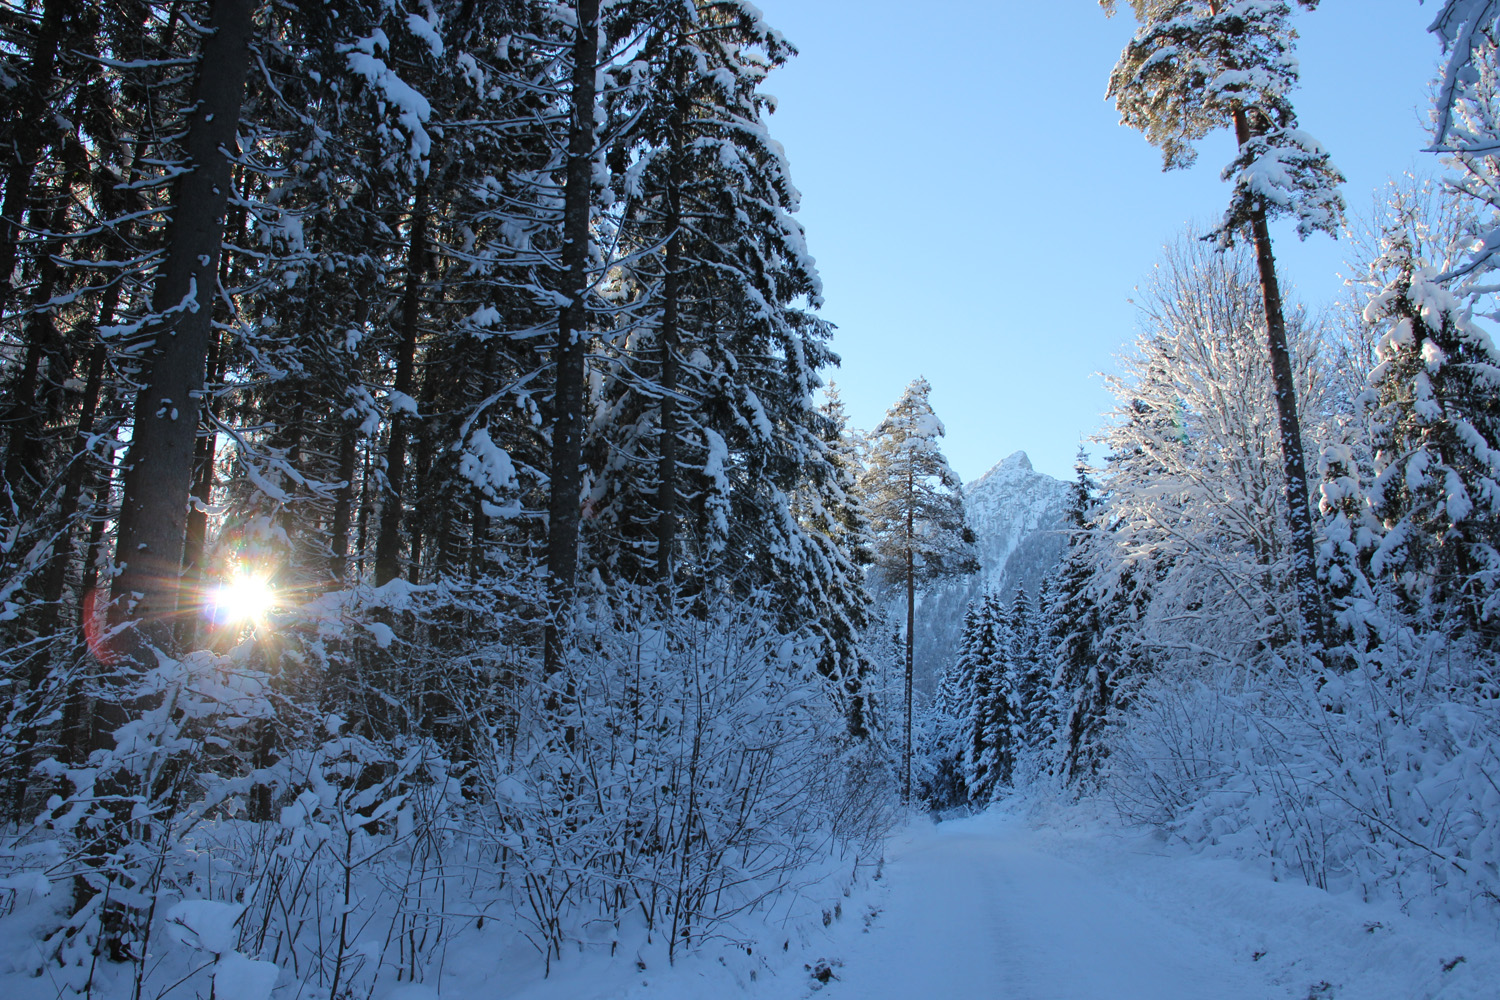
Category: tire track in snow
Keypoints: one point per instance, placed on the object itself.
(987, 915)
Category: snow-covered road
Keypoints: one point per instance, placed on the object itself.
(976, 913)
(1006, 906)
(994, 907)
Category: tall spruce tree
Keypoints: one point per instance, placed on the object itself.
(1195, 66)
(916, 510)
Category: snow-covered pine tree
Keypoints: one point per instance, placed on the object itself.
(1349, 533)
(710, 468)
(1195, 66)
(1434, 410)
(1080, 694)
(830, 509)
(1434, 226)
(915, 503)
(1032, 681)
(998, 712)
(963, 694)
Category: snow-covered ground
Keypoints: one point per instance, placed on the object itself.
(1008, 907)
(994, 906)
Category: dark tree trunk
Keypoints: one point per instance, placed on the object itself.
(666, 497)
(1284, 391)
(569, 353)
(195, 540)
(388, 540)
(55, 580)
(28, 144)
(159, 466)
(26, 417)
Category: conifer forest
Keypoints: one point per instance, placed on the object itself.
(436, 559)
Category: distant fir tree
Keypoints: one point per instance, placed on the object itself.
(915, 505)
(1195, 66)
(976, 692)
(967, 694)
(1028, 667)
(997, 710)
(948, 737)
(1080, 690)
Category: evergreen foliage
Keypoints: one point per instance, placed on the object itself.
(1434, 411)
(1199, 65)
(1072, 628)
(477, 345)
(914, 502)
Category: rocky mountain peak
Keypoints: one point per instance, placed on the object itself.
(1015, 462)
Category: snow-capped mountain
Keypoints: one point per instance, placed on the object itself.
(1017, 515)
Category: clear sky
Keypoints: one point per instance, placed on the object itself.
(980, 217)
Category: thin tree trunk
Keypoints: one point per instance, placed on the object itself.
(159, 468)
(666, 496)
(1284, 391)
(388, 540)
(195, 542)
(911, 621)
(569, 354)
(25, 418)
(343, 511)
(362, 525)
(55, 579)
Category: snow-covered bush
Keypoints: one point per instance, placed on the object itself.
(1377, 780)
(698, 771)
(681, 774)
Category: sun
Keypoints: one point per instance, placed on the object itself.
(244, 597)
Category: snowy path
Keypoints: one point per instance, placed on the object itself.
(985, 913)
(998, 907)
(993, 907)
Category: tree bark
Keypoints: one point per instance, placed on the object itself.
(195, 538)
(569, 353)
(388, 541)
(159, 467)
(1284, 392)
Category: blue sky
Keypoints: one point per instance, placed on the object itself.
(980, 217)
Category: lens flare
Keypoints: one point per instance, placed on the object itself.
(244, 597)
